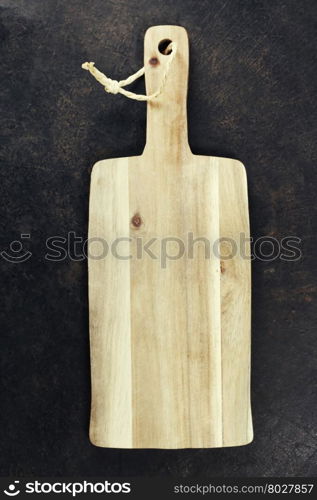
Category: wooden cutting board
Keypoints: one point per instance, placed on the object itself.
(169, 332)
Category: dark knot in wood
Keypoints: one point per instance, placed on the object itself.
(136, 220)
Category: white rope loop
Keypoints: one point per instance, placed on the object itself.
(116, 87)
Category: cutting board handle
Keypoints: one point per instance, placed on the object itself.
(166, 130)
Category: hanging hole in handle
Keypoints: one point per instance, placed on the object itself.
(165, 47)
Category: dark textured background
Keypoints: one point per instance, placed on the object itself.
(252, 77)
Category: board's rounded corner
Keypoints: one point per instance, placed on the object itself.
(239, 164)
(95, 168)
(95, 441)
(241, 167)
(238, 444)
(249, 439)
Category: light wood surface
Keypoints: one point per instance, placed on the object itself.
(170, 340)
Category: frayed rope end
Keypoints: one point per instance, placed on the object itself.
(87, 65)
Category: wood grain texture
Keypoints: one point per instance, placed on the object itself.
(170, 338)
